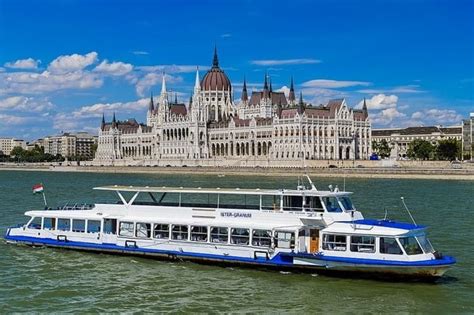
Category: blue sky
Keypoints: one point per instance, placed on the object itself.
(64, 63)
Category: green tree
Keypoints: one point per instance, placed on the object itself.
(420, 149)
(448, 149)
(383, 149)
(17, 152)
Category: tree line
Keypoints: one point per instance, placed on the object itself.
(419, 149)
(18, 154)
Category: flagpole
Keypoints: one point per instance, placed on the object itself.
(44, 198)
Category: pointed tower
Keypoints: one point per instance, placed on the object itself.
(215, 60)
(291, 96)
(102, 124)
(151, 106)
(271, 88)
(190, 106)
(114, 122)
(245, 96)
(266, 93)
(364, 109)
(301, 104)
(175, 97)
(197, 82)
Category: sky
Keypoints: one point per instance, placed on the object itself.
(65, 63)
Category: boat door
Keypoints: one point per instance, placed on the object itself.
(313, 240)
(109, 231)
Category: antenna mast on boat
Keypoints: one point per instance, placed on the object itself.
(409, 213)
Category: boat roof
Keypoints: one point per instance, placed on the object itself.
(373, 227)
(231, 191)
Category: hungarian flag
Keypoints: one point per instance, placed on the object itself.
(38, 188)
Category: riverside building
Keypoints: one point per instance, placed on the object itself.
(265, 128)
(399, 139)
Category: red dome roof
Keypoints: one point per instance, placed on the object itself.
(215, 78)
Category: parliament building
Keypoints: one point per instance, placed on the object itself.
(265, 128)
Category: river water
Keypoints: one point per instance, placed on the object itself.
(54, 280)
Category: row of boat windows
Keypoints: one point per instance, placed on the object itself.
(214, 234)
(387, 245)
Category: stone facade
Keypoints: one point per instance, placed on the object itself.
(266, 126)
(400, 138)
(70, 145)
(7, 145)
(468, 137)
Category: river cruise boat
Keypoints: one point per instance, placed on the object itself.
(287, 229)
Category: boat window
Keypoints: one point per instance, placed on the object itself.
(425, 244)
(410, 245)
(161, 231)
(35, 223)
(313, 204)
(219, 235)
(332, 205)
(143, 230)
(179, 232)
(126, 229)
(363, 244)
(271, 202)
(389, 245)
(347, 203)
(239, 236)
(64, 225)
(292, 203)
(199, 233)
(284, 239)
(334, 242)
(49, 223)
(110, 226)
(262, 238)
(93, 226)
(78, 225)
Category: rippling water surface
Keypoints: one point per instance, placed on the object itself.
(52, 280)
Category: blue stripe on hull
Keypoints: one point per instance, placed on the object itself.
(280, 260)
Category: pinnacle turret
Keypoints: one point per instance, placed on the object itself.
(291, 95)
(245, 96)
(151, 107)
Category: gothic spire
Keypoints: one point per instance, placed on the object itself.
(163, 84)
(364, 109)
(215, 60)
(245, 96)
(301, 104)
(151, 107)
(265, 87)
(271, 88)
(102, 125)
(114, 122)
(291, 96)
(175, 97)
(197, 84)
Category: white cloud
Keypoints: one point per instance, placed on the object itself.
(380, 101)
(332, 84)
(273, 62)
(23, 103)
(386, 116)
(113, 68)
(29, 63)
(398, 89)
(144, 83)
(171, 68)
(81, 119)
(140, 52)
(438, 116)
(226, 35)
(285, 90)
(74, 62)
(33, 83)
(12, 120)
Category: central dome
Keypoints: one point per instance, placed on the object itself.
(215, 78)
